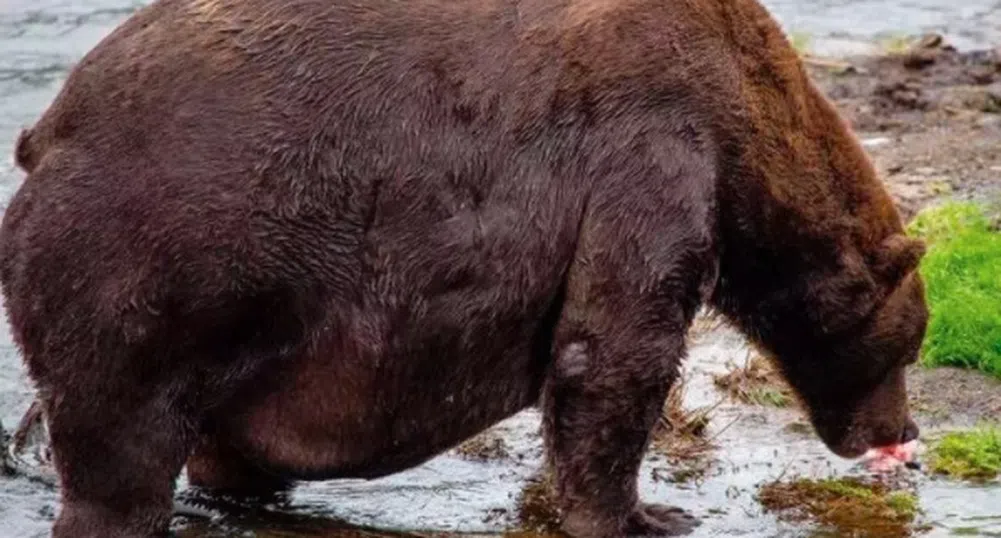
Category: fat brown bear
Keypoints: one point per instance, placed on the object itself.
(285, 240)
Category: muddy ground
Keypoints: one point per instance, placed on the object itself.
(931, 119)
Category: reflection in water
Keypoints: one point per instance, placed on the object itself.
(41, 39)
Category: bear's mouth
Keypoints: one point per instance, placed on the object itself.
(852, 447)
(887, 458)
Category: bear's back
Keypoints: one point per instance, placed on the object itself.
(269, 83)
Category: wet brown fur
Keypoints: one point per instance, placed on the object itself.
(292, 240)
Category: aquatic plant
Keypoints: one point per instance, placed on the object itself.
(486, 446)
(850, 506)
(962, 274)
(537, 508)
(682, 435)
(757, 382)
(970, 455)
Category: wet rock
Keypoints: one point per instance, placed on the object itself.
(919, 59)
(931, 41)
(925, 52)
(902, 93)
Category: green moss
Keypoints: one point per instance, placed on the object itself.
(970, 455)
(962, 274)
(848, 505)
(845, 488)
(903, 503)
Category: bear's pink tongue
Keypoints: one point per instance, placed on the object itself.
(886, 458)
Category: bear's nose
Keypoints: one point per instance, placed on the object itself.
(910, 432)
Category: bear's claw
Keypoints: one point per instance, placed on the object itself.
(660, 520)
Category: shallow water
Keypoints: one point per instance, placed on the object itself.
(41, 39)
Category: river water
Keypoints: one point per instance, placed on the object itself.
(41, 39)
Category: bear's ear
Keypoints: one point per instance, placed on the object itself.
(898, 255)
(840, 298)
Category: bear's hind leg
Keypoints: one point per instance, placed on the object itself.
(118, 448)
(220, 469)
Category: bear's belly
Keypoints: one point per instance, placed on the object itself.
(437, 342)
(364, 407)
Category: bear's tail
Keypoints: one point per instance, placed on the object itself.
(25, 153)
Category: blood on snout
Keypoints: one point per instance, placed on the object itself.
(888, 457)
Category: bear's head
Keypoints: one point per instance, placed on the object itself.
(815, 265)
(845, 341)
(850, 371)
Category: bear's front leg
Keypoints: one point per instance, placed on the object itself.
(646, 255)
(604, 396)
(638, 277)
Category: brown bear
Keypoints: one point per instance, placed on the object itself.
(285, 240)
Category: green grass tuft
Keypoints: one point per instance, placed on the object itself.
(767, 396)
(969, 455)
(962, 274)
